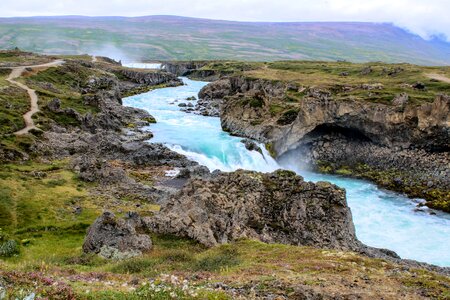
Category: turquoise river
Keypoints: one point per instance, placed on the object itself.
(382, 218)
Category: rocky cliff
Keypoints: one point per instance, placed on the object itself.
(412, 139)
(104, 143)
(278, 207)
(183, 68)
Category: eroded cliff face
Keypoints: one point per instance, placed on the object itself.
(183, 68)
(426, 126)
(278, 207)
(411, 139)
(147, 77)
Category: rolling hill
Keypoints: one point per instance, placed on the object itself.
(180, 38)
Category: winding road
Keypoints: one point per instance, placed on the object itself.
(34, 108)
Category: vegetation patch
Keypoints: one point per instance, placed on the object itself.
(256, 102)
(288, 117)
(221, 259)
(14, 104)
(9, 248)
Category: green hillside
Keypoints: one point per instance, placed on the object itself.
(178, 38)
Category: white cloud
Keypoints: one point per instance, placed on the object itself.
(424, 17)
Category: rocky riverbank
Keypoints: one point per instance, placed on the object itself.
(400, 146)
(105, 147)
(186, 233)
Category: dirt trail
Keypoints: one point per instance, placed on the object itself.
(94, 59)
(439, 77)
(17, 72)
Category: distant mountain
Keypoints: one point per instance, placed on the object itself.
(180, 38)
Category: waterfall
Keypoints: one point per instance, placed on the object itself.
(245, 159)
(382, 219)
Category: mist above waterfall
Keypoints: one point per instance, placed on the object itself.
(295, 160)
(110, 51)
(201, 139)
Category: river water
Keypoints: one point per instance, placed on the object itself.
(382, 219)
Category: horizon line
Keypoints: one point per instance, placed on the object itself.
(189, 17)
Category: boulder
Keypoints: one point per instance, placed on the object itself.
(114, 238)
(251, 145)
(54, 105)
(366, 70)
(401, 100)
(419, 86)
(278, 207)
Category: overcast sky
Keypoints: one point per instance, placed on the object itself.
(424, 17)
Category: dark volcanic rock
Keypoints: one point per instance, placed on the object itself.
(278, 207)
(419, 86)
(116, 238)
(412, 138)
(251, 145)
(147, 77)
(183, 68)
(54, 105)
(415, 169)
(367, 70)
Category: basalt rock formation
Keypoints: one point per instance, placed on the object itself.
(425, 126)
(183, 68)
(116, 238)
(277, 207)
(413, 140)
(103, 144)
(148, 77)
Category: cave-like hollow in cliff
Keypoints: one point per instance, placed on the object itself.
(327, 133)
(332, 130)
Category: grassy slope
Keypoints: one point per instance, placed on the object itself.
(184, 38)
(327, 76)
(38, 208)
(14, 103)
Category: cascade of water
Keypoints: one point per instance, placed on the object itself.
(382, 219)
(144, 65)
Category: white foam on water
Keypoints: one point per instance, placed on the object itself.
(155, 66)
(382, 219)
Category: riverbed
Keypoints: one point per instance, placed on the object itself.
(382, 219)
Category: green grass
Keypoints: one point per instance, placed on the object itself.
(185, 39)
(39, 195)
(14, 103)
(246, 262)
(18, 57)
(327, 76)
(64, 83)
(37, 202)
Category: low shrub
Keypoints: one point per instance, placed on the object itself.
(9, 248)
(288, 117)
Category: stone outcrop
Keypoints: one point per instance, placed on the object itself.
(415, 172)
(251, 146)
(117, 238)
(183, 68)
(147, 77)
(104, 145)
(415, 140)
(277, 207)
(425, 126)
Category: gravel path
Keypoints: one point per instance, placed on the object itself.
(28, 116)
